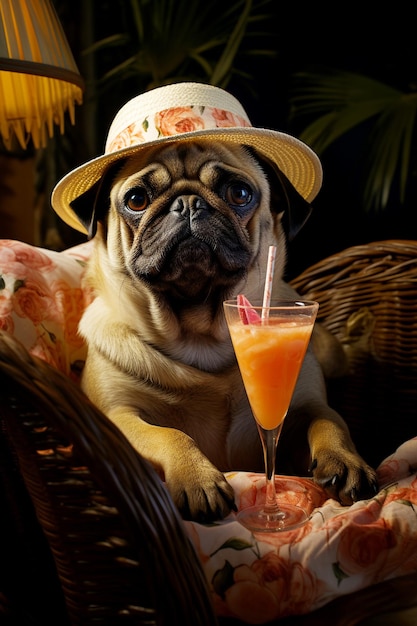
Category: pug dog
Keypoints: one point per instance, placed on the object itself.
(178, 229)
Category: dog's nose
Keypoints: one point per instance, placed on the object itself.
(189, 205)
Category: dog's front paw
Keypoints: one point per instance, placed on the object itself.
(344, 475)
(200, 490)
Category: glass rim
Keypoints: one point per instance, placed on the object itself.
(276, 303)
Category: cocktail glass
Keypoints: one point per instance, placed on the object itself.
(270, 344)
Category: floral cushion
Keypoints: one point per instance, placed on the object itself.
(254, 578)
(340, 550)
(42, 299)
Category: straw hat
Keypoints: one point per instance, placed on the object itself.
(181, 112)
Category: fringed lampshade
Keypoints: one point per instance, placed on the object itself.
(39, 80)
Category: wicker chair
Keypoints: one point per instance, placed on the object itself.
(368, 300)
(88, 532)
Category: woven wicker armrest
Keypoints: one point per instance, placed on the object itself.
(368, 300)
(117, 543)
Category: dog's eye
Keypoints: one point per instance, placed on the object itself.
(238, 194)
(137, 199)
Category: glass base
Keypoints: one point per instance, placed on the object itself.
(256, 519)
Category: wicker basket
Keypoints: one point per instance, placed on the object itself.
(368, 300)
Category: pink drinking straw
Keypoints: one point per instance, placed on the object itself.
(268, 281)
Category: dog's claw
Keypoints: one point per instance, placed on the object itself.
(313, 465)
(344, 483)
(332, 482)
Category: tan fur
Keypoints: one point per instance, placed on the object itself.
(160, 363)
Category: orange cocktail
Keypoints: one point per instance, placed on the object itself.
(270, 342)
(270, 354)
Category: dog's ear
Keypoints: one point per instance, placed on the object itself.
(93, 205)
(85, 208)
(285, 199)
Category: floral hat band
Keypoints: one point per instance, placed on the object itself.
(174, 121)
(184, 112)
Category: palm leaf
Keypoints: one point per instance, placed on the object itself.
(226, 60)
(113, 41)
(335, 103)
(184, 38)
(390, 151)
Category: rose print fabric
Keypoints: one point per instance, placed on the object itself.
(174, 121)
(254, 578)
(42, 299)
(340, 550)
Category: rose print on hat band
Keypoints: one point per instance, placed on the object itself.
(175, 121)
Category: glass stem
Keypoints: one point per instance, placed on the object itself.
(269, 440)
